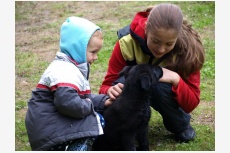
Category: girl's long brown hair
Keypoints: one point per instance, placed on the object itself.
(188, 54)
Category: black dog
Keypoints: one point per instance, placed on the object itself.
(126, 120)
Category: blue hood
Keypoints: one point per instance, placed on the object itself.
(74, 37)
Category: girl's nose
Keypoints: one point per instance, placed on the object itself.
(161, 49)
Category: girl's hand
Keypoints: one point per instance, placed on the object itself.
(115, 91)
(170, 77)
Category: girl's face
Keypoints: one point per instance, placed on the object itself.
(94, 46)
(161, 41)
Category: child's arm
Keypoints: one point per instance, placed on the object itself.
(99, 102)
(68, 102)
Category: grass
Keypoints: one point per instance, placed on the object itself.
(37, 41)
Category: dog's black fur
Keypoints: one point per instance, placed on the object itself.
(126, 120)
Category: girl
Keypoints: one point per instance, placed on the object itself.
(160, 36)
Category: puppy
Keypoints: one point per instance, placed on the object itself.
(126, 120)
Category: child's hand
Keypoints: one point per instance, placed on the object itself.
(87, 99)
(108, 102)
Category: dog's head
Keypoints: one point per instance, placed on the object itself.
(144, 75)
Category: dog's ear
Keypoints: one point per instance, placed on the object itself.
(122, 75)
(145, 82)
(158, 72)
(125, 71)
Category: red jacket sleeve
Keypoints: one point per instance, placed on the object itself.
(187, 93)
(116, 64)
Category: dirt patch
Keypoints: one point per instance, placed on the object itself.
(206, 116)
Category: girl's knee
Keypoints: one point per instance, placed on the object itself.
(162, 96)
(162, 88)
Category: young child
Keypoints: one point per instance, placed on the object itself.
(160, 36)
(62, 113)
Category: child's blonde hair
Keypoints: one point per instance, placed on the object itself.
(97, 33)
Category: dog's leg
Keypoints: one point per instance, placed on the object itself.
(102, 144)
(128, 141)
(142, 139)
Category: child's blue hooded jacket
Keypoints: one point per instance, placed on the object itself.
(75, 35)
(58, 110)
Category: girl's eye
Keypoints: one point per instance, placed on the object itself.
(156, 42)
